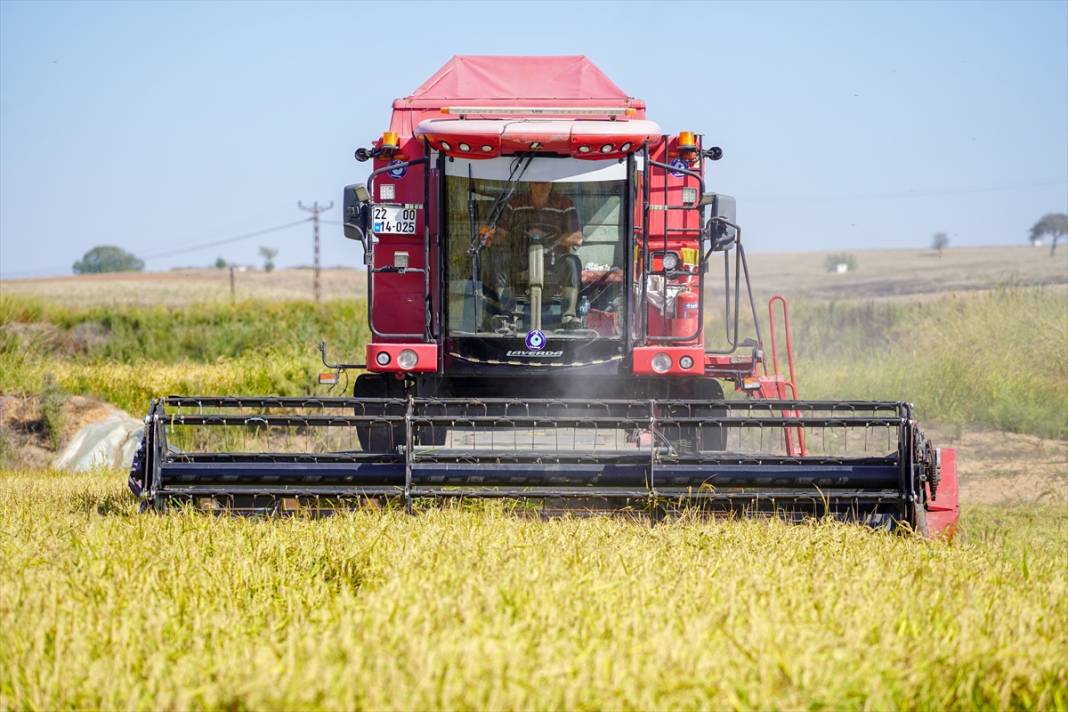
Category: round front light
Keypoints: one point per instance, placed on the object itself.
(486, 148)
(661, 363)
(625, 147)
(445, 146)
(607, 148)
(407, 359)
(584, 149)
(465, 147)
(382, 358)
(671, 261)
(686, 363)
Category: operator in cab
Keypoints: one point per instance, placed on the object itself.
(539, 215)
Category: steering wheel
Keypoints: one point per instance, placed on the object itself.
(548, 235)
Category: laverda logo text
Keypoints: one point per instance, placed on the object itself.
(537, 354)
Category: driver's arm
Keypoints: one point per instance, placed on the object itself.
(572, 227)
(499, 233)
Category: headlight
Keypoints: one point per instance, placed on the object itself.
(607, 148)
(661, 363)
(465, 147)
(686, 363)
(584, 149)
(445, 145)
(671, 261)
(486, 148)
(625, 147)
(382, 358)
(407, 359)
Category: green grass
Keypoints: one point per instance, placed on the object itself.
(201, 332)
(102, 607)
(127, 355)
(993, 360)
(997, 359)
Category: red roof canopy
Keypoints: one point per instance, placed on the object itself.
(486, 80)
(469, 77)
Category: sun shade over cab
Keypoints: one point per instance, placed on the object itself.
(571, 82)
(579, 138)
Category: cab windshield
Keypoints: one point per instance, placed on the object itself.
(535, 244)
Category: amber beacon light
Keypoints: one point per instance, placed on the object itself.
(686, 142)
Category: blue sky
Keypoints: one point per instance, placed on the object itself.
(156, 126)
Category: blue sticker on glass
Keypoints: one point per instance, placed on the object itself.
(536, 340)
(399, 171)
(679, 163)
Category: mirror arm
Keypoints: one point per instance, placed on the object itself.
(736, 239)
(337, 366)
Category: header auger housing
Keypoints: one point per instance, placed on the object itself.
(542, 326)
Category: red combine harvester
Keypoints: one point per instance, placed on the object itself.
(542, 326)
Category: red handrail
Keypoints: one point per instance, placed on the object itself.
(781, 386)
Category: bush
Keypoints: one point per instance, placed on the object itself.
(53, 397)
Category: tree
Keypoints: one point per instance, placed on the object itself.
(840, 262)
(939, 242)
(220, 263)
(108, 258)
(268, 255)
(1053, 224)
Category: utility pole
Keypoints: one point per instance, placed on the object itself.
(315, 210)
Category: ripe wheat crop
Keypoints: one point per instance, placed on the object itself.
(481, 608)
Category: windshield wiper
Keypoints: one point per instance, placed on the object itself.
(479, 236)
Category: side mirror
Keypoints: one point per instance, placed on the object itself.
(355, 203)
(719, 228)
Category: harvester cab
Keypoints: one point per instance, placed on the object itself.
(555, 297)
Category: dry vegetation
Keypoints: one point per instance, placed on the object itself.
(910, 275)
(181, 287)
(881, 274)
(481, 609)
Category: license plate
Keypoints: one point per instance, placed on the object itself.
(393, 219)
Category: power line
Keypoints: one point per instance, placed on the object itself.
(174, 252)
(224, 241)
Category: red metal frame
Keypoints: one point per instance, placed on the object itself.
(579, 138)
(427, 357)
(784, 389)
(943, 511)
(643, 360)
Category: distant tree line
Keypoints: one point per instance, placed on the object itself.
(108, 258)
